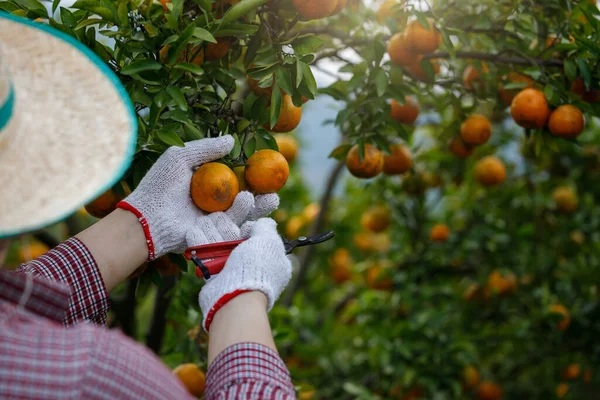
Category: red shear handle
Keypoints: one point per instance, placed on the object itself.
(213, 250)
(214, 266)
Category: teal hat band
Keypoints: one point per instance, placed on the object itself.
(6, 108)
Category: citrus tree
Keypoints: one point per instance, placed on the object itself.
(465, 261)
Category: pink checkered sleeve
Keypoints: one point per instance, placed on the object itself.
(73, 264)
(248, 371)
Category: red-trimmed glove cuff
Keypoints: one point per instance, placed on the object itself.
(220, 304)
(128, 207)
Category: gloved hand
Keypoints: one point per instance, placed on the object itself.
(258, 264)
(163, 204)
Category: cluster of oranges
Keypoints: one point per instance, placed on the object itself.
(375, 161)
(317, 9)
(483, 390)
(214, 185)
(570, 373)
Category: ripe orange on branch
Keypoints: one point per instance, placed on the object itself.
(571, 372)
(399, 161)
(561, 390)
(439, 233)
(104, 204)
(216, 51)
(472, 79)
(165, 266)
(389, 8)
(288, 146)
(192, 377)
(459, 148)
(31, 251)
(315, 9)
(507, 95)
(267, 171)
(489, 391)
(407, 113)
(566, 121)
(501, 284)
(565, 199)
(590, 96)
(369, 167)
(289, 116)
(490, 171)
(418, 72)
(214, 187)
(423, 39)
(470, 377)
(341, 266)
(400, 50)
(530, 109)
(376, 219)
(565, 321)
(377, 277)
(476, 130)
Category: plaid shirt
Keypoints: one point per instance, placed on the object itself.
(41, 359)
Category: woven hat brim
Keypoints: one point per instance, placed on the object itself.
(73, 132)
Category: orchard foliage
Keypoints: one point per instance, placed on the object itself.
(469, 267)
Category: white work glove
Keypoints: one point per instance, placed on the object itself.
(164, 206)
(258, 264)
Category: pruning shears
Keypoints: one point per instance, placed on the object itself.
(210, 259)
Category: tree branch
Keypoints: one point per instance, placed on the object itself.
(495, 58)
(317, 227)
(156, 333)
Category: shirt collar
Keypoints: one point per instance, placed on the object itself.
(47, 299)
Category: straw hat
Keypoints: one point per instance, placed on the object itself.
(67, 127)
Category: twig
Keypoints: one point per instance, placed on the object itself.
(317, 227)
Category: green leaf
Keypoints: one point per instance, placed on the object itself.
(307, 44)
(178, 96)
(192, 68)
(381, 82)
(275, 105)
(552, 94)
(205, 35)
(340, 152)
(250, 147)
(178, 260)
(242, 8)
(93, 7)
(67, 17)
(309, 79)
(237, 147)
(156, 277)
(88, 22)
(283, 77)
(242, 125)
(55, 4)
(299, 73)
(169, 137)
(264, 140)
(237, 30)
(144, 283)
(247, 106)
(180, 44)
(32, 5)
(586, 74)
(570, 70)
(140, 66)
(122, 12)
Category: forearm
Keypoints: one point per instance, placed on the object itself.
(244, 319)
(118, 245)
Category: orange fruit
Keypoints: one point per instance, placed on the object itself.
(423, 40)
(459, 148)
(294, 226)
(590, 96)
(315, 9)
(104, 205)
(257, 90)
(418, 72)
(369, 242)
(164, 4)
(311, 212)
(530, 109)
(501, 284)
(472, 79)
(489, 391)
(490, 171)
(377, 277)
(306, 394)
(376, 219)
(289, 116)
(369, 167)
(341, 266)
(472, 292)
(571, 372)
(194, 55)
(470, 377)
(565, 199)
(165, 266)
(32, 250)
(341, 4)
(439, 233)
(407, 113)
(476, 130)
(561, 390)
(399, 161)
(507, 95)
(566, 121)
(240, 173)
(563, 323)
(267, 171)
(288, 146)
(388, 10)
(400, 51)
(214, 187)
(41, 20)
(216, 51)
(192, 377)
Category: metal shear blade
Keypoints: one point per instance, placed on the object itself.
(291, 245)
